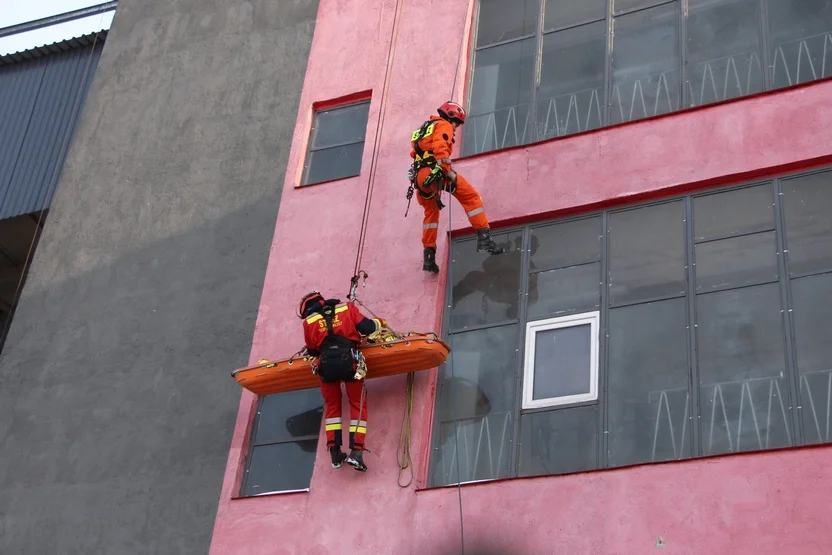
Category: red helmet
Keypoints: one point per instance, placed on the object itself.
(308, 301)
(452, 112)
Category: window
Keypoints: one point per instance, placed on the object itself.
(670, 330)
(550, 68)
(284, 440)
(336, 143)
(561, 365)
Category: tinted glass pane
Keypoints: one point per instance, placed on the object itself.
(800, 45)
(628, 5)
(560, 441)
(645, 64)
(500, 97)
(483, 377)
(813, 330)
(334, 163)
(743, 389)
(294, 414)
(568, 290)
(740, 211)
(479, 396)
(649, 405)
(500, 20)
(723, 50)
(486, 288)
(807, 204)
(281, 467)
(562, 362)
(572, 81)
(484, 449)
(340, 125)
(647, 253)
(736, 262)
(565, 13)
(566, 244)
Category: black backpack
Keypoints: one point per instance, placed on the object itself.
(337, 360)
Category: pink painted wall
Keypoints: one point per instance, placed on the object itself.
(761, 504)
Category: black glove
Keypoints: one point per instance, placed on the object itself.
(439, 202)
(449, 183)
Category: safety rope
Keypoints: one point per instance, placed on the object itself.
(53, 185)
(450, 286)
(391, 55)
(403, 452)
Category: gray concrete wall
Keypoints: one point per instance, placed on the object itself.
(116, 402)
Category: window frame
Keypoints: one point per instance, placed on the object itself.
(529, 134)
(252, 444)
(561, 322)
(793, 393)
(304, 181)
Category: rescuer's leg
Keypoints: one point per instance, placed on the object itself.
(430, 230)
(357, 395)
(474, 210)
(331, 393)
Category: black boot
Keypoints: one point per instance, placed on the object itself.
(429, 264)
(486, 243)
(338, 456)
(356, 460)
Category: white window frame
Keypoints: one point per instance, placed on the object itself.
(532, 328)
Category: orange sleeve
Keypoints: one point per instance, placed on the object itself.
(442, 147)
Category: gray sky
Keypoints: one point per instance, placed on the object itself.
(13, 12)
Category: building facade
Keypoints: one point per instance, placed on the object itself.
(645, 368)
(658, 173)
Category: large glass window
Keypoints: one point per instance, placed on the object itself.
(688, 327)
(563, 67)
(283, 442)
(336, 143)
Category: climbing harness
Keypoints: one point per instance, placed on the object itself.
(424, 159)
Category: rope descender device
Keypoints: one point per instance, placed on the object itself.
(351, 296)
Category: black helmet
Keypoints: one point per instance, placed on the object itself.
(307, 302)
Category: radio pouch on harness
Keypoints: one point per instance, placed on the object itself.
(337, 361)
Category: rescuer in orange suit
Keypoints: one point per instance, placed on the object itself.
(431, 173)
(332, 331)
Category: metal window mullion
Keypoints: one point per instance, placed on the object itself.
(648, 300)
(765, 40)
(480, 327)
(573, 25)
(337, 145)
(520, 369)
(788, 318)
(284, 441)
(603, 348)
(608, 66)
(504, 42)
(693, 359)
(588, 263)
(813, 273)
(644, 8)
(734, 235)
(737, 287)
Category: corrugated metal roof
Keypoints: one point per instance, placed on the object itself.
(38, 95)
(55, 47)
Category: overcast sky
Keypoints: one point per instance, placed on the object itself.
(13, 12)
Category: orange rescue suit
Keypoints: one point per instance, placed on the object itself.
(347, 324)
(438, 146)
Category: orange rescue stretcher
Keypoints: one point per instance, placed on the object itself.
(386, 353)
